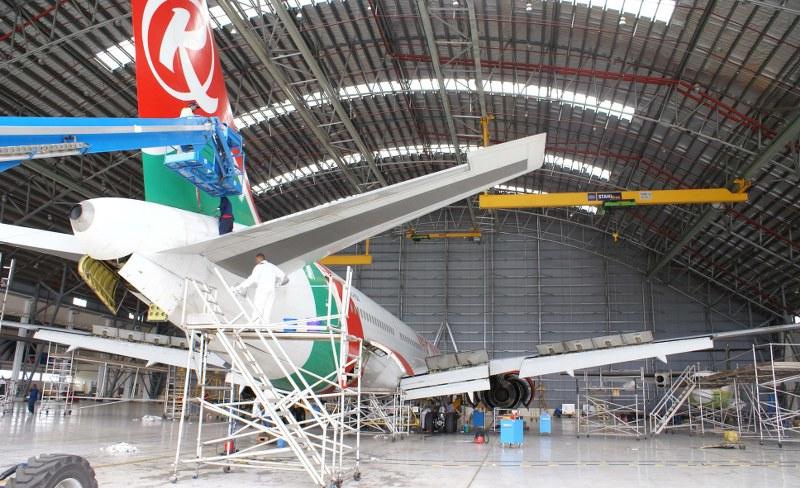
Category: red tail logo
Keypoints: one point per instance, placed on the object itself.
(177, 61)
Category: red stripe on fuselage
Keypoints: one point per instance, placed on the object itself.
(354, 323)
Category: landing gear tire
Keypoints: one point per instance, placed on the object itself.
(357, 476)
(54, 471)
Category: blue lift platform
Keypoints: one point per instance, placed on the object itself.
(201, 149)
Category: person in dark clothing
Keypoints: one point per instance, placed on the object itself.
(225, 216)
(33, 397)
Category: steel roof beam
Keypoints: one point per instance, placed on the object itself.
(786, 136)
(422, 5)
(245, 30)
(326, 85)
(476, 56)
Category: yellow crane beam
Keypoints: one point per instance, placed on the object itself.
(485, 128)
(420, 236)
(349, 259)
(613, 198)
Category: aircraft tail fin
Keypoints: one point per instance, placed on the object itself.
(177, 65)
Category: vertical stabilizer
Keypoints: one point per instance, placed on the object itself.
(177, 64)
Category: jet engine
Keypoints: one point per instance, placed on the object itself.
(507, 391)
(112, 228)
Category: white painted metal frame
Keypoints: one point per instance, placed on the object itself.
(605, 409)
(673, 402)
(58, 385)
(777, 396)
(385, 413)
(262, 431)
(10, 386)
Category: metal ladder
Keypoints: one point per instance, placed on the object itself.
(173, 400)
(673, 400)
(318, 454)
(6, 276)
(57, 391)
(10, 386)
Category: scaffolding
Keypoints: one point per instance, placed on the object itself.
(605, 407)
(756, 399)
(173, 393)
(8, 388)
(6, 396)
(58, 381)
(384, 413)
(672, 407)
(264, 430)
(777, 394)
(722, 402)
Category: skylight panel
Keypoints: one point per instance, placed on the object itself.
(418, 85)
(254, 8)
(657, 10)
(117, 56)
(577, 166)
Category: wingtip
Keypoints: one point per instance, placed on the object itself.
(529, 148)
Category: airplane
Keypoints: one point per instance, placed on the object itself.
(172, 236)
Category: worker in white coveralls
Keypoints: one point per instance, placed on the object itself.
(266, 276)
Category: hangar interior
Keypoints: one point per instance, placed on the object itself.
(337, 99)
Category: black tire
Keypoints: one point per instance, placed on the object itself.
(48, 470)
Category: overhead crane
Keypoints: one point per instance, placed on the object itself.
(616, 199)
(364, 259)
(415, 236)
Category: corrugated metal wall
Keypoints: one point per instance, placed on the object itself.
(545, 281)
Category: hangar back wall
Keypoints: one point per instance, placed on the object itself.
(533, 280)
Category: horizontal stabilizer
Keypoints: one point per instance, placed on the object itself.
(52, 243)
(145, 352)
(304, 237)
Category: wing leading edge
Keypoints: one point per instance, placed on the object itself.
(44, 241)
(304, 237)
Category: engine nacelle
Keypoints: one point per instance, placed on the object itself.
(112, 228)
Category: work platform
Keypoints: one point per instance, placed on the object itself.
(281, 423)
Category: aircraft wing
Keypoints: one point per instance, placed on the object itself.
(44, 241)
(304, 237)
(146, 352)
(476, 378)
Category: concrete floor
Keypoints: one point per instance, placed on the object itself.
(444, 460)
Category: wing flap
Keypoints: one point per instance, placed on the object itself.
(570, 362)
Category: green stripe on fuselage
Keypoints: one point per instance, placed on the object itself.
(321, 359)
(164, 186)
